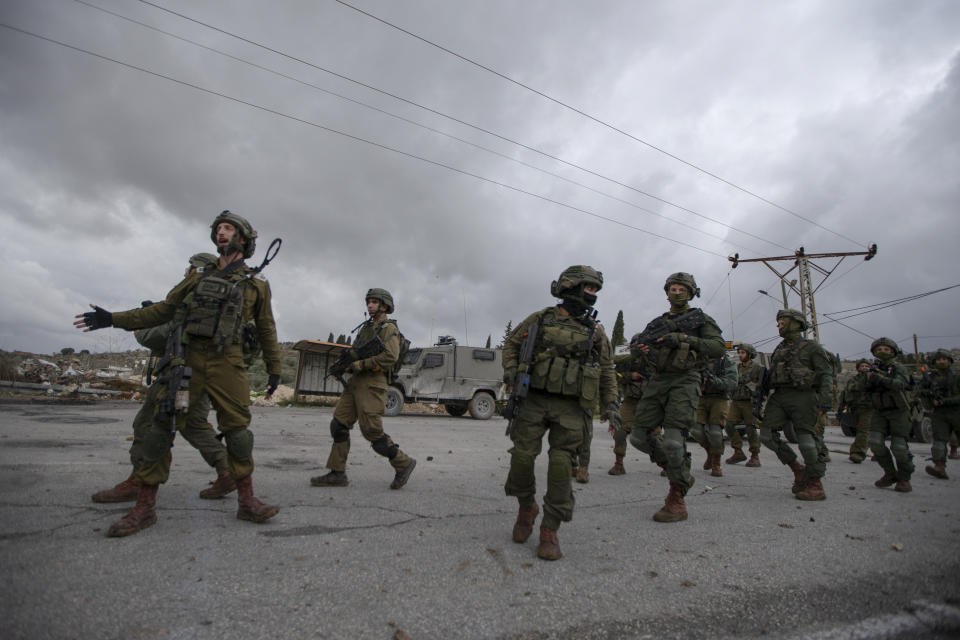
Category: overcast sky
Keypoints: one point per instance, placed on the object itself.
(845, 113)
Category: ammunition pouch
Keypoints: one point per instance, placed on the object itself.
(214, 309)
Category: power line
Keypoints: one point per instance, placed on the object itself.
(870, 308)
(459, 121)
(596, 120)
(357, 138)
(415, 123)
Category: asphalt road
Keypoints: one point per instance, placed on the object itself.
(435, 559)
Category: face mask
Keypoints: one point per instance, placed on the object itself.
(885, 356)
(941, 365)
(678, 300)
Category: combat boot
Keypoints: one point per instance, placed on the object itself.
(889, 477)
(583, 475)
(223, 485)
(799, 476)
(737, 456)
(400, 477)
(708, 463)
(248, 507)
(903, 486)
(938, 470)
(812, 490)
(549, 548)
(142, 515)
(523, 527)
(617, 468)
(715, 469)
(954, 455)
(754, 460)
(331, 479)
(674, 508)
(126, 491)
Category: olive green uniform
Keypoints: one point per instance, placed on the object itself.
(800, 376)
(946, 414)
(718, 381)
(198, 432)
(741, 407)
(891, 419)
(212, 307)
(856, 400)
(571, 369)
(364, 400)
(671, 397)
(631, 391)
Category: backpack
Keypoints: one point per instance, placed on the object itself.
(401, 356)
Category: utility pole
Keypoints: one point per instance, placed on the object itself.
(803, 286)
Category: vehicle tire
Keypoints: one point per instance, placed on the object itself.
(924, 430)
(790, 433)
(848, 424)
(482, 406)
(456, 410)
(394, 402)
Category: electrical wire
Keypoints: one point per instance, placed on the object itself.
(416, 124)
(462, 122)
(886, 305)
(357, 138)
(596, 120)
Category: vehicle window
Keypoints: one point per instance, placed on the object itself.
(432, 360)
(412, 356)
(484, 354)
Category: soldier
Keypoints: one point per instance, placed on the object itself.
(718, 381)
(821, 425)
(856, 402)
(632, 375)
(365, 397)
(888, 380)
(212, 309)
(741, 408)
(199, 433)
(670, 399)
(942, 387)
(800, 383)
(570, 369)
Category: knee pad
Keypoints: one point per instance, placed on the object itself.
(672, 446)
(339, 431)
(239, 443)
(156, 442)
(384, 447)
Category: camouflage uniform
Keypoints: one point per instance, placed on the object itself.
(856, 401)
(942, 386)
(364, 400)
(800, 381)
(631, 391)
(891, 418)
(672, 393)
(570, 371)
(719, 380)
(212, 308)
(741, 412)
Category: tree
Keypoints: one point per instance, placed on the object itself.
(341, 339)
(66, 351)
(506, 334)
(330, 339)
(349, 339)
(488, 342)
(617, 338)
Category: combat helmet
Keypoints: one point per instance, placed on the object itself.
(203, 260)
(383, 296)
(793, 314)
(573, 277)
(860, 362)
(749, 348)
(942, 353)
(887, 342)
(686, 279)
(243, 228)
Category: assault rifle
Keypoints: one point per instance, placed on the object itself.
(373, 346)
(760, 392)
(521, 382)
(931, 389)
(659, 327)
(176, 378)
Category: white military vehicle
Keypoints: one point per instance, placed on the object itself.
(460, 378)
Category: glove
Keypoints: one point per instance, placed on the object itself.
(672, 340)
(613, 415)
(99, 318)
(273, 381)
(355, 367)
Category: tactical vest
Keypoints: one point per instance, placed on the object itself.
(214, 308)
(889, 399)
(857, 391)
(746, 380)
(787, 369)
(566, 359)
(676, 359)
